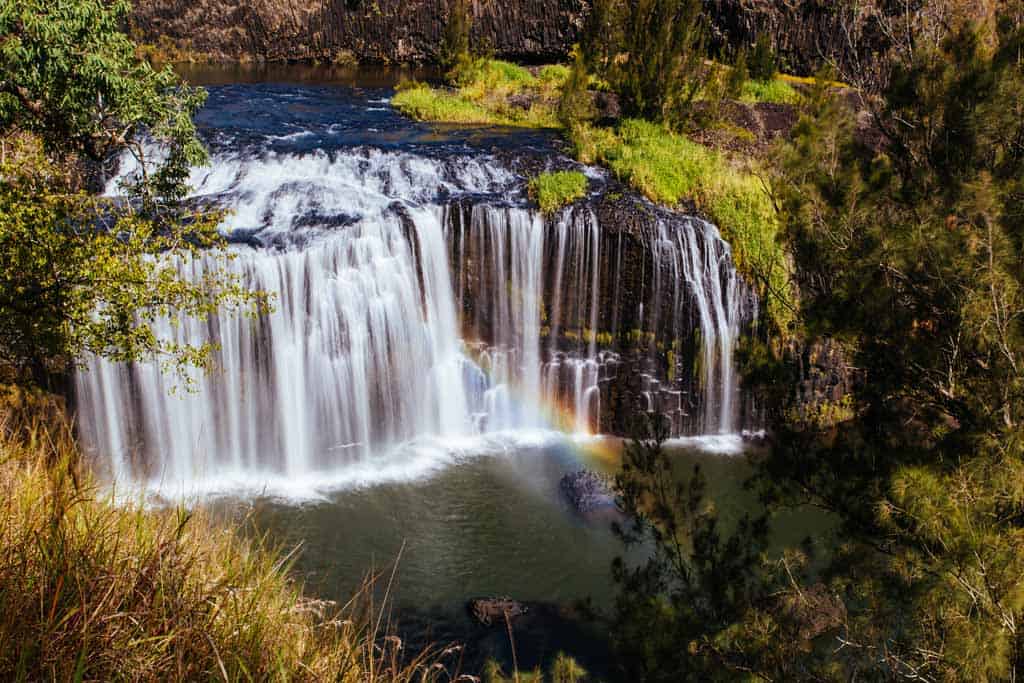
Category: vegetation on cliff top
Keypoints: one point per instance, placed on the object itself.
(670, 168)
(665, 166)
(553, 190)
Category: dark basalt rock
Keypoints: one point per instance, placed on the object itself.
(368, 31)
(805, 33)
(587, 491)
(495, 611)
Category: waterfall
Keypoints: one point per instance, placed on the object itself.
(705, 263)
(413, 299)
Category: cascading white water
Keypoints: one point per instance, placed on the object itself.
(697, 253)
(371, 342)
(354, 356)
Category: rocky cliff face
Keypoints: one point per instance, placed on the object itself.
(804, 31)
(365, 30)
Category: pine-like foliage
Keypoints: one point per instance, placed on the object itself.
(651, 52)
(909, 250)
(907, 236)
(455, 52)
(762, 63)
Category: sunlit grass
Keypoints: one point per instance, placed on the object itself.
(775, 91)
(91, 589)
(554, 190)
(424, 103)
(489, 108)
(483, 96)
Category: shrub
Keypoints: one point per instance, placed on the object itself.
(454, 50)
(575, 103)
(738, 75)
(763, 64)
(651, 52)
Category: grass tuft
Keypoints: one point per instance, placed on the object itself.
(91, 589)
(554, 73)
(490, 92)
(553, 190)
(776, 91)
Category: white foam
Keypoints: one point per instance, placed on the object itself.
(414, 461)
(719, 444)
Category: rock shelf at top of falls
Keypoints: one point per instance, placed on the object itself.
(419, 298)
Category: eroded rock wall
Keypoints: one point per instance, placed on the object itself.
(365, 30)
(804, 32)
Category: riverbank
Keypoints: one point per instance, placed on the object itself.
(97, 588)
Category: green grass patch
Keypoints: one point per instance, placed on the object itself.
(668, 168)
(776, 91)
(495, 72)
(554, 73)
(554, 190)
(484, 97)
(424, 103)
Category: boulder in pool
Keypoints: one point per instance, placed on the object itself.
(587, 491)
(490, 611)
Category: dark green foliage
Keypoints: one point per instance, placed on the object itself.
(738, 76)
(76, 273)
(907, 241)
(670, 608)
(455, 52)
(651, 52)
(70, 76)
(908, 251)
(576, 104)
(762, 63)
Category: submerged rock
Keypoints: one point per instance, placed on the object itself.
(587, 491)
(489, 611)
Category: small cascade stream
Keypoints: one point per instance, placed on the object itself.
(418, 296)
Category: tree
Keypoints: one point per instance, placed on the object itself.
(762, 63)
(908, 241)
(455, 54)
(651, 52)
(80, 274)
(671, 609)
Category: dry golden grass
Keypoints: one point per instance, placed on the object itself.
(97, 591)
